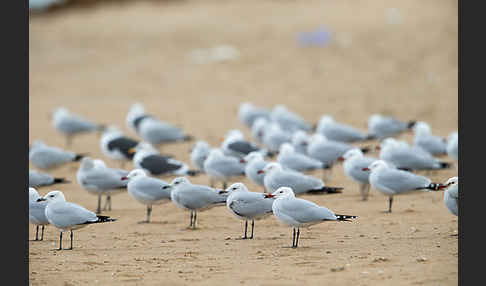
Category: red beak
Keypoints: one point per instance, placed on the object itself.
(242, 161)
(124, 178)
(269, 196)
(365, 169)
(260, 172)
(340, 159)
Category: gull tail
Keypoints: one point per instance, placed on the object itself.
(193, 172)
(369, 137)
(405, 169)
(270, 154)
(329, 190)
(188, 138)
(366, 149)
(79, 157)
(411, 124)
(444, 165)
(345, 217)
(434, 187)
(101, 218)
(61, 181)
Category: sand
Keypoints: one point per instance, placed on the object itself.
(99, 60)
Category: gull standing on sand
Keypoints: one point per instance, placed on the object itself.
(37, 214)
(452, 145)
(246, 205)
(39, 179)
(276, 177)
(391, 181)
(289, 159)
(97, 179)
(69, 124)
(49, 158)
(195, 198)
(222, 168)
(248, 113)
(424, 139)
(149, 159)
(68, 216)
(400, 154)
(354, 162)
(255, 162)
(116, 146)
(146, 190)
(340, 132)
(199, 154)
(289, 120)
(297, 213)
(382, 126)
(451, 195)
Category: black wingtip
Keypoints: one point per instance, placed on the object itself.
(193, 172)
(411, 124)
(445, 165)
(370, 137)
(79, 157)
(61, 181)
(326, 190)
(188, 138)
(435, 186)
(365, 149)
(345, 217)
(405, 169)
(102, 218)
(270, 154)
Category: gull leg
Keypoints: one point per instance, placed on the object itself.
(60, 241)
(190, 224)
(98, 210)
(106, 202)
(246, 227)
(390, 201)
(297, 239)
(293, 237)
(42, 235)
(195, 218)
(149, 210)
(37, 233)
(225, 185)
(69, 141)
(252, 226)
(71, 235)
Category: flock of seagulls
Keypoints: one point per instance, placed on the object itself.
(281, 157)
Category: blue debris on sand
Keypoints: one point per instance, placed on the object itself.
(319, 37)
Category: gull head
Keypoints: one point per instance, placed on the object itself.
(179, 181)
(236, 187)
(300, 138)
(376, 165)
(452, 181)
(88, 163)
(286, 148)
(136, 173)
(325, 119)
(282, 192)
(421, 128)
(59, 113)
(355, 152)
(252, 156)
(270, 167)
(53, 196)
(111, 129)
(33, 195)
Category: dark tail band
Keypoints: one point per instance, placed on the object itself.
(345, 217)
(365, 149)
(61, 181)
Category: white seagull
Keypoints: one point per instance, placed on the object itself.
(37, 214)
(451, 195)
(452, 145)
(289, 120)
(248, 113)
(68, 216)
(220, 167)
(255, 162)
(289, 159)
(423, 138)
(199, 154)
(354, 162)
(382, 126)
(297, 213)
(341, 132)
(49, 158)
(69, 124)
(116, 146)
(39, 179)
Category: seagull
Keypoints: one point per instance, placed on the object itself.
(246, 205)
(115, 145)
(276, 177)
(195, 198)
(260, 125)
(289, 159)
(199, 154)
(69, 124)
(255, 162)
(37, 215)
(452, 145)
(451, 195)
(382, 126)
(336, 131)
(220, 167)
(289, 120)
(49, 158)
(274, 136)
(149, 159)
(235, 145)
(153, 130)
(146, 190)
(248, 113)
(354, 162)
(391, 181)
(424, 139)
(300, 140)
(68, 216)
(409, 157)
(39, 179)
(97, 179)
(296, 213)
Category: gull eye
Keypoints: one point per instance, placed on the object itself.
(51, 196)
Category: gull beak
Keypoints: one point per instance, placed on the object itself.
(260, 172)
(40, 199)
(221, 139)
(340, 159)
(242, 161)
(131, 151)
(124, 178)
(365, 169)
(269, 196)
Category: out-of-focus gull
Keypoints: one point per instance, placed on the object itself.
(199, 154)
(221, 168)
(258, 129)
(386, 126)
(400, 154)
(248, 113)
(67, 216)
(195, 198)
(39, 179)
(297, 213)
(236, 145)
(274, 136)
(451, 195)
(135, 116)
(424, 139)
(149, 159)
(255, 162)
(300, 140)
(288, 158)
(70, 125)
(354, 162)
(341, 132)
(97, 179)
(46, 157)
(452, 145)
(289, 120)
(246, 205)
(116, 146)
(37, 214)
(146, 190)
(276, 177)
(391, 181)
